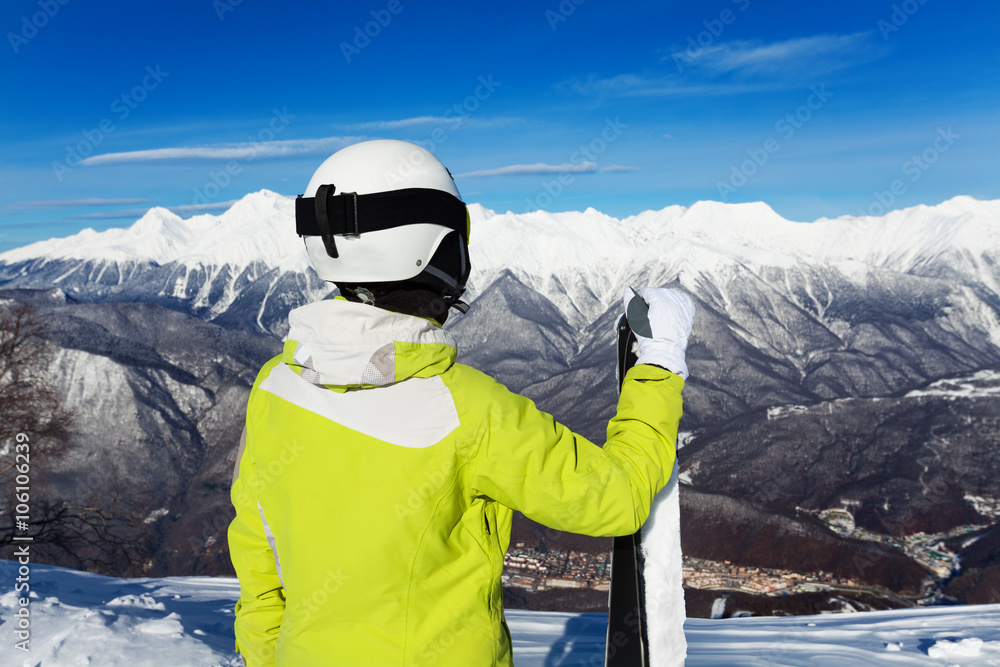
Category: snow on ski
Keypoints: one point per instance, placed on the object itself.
(662, 578)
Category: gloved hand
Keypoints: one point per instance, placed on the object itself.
(663, 334)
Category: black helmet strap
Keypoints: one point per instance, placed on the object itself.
(322, 217)
(350, 214)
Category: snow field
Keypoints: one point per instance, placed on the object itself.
(85, 619)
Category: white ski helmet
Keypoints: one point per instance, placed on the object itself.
(385, 211)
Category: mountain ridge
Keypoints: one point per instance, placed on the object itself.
(788, 314)
(169, 237)
(580, 260)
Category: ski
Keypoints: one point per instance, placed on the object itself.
(627, 643)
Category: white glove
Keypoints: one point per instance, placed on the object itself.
(663, 338)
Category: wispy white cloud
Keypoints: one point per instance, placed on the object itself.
(739, 67)
(530, 169)
(632, 85)
(191, 209)
(135, 213)
(453, 122)
(34, 224)
(74, 203)
(416, 121)
(123, 213)
(241, 151)
(814, 55)
(612, 85)
(611, 168)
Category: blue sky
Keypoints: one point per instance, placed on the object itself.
(818, 109)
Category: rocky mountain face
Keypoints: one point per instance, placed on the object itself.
(160, 401)
(904, 464)
(837, 364)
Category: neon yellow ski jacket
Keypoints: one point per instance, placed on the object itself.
(375, 489)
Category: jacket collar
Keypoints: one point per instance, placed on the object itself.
(344, 344)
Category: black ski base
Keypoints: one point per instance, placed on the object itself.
(627, 643)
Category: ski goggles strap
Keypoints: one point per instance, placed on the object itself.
(351, 214)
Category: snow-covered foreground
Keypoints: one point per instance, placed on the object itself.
(85, 619)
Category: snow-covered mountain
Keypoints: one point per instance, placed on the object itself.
(240, 262)
(792, 317)
(579, 260)
(787, 311)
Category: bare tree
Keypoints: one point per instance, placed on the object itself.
(104, 532)
(28, 402)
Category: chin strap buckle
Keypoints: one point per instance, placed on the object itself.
(452, 301)
(365, 295)
(351, 214)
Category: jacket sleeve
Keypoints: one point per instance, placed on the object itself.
(531, 463)
(262, 602)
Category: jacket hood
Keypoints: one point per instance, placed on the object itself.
(343, 344)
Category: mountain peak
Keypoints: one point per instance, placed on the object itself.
(756, 210)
